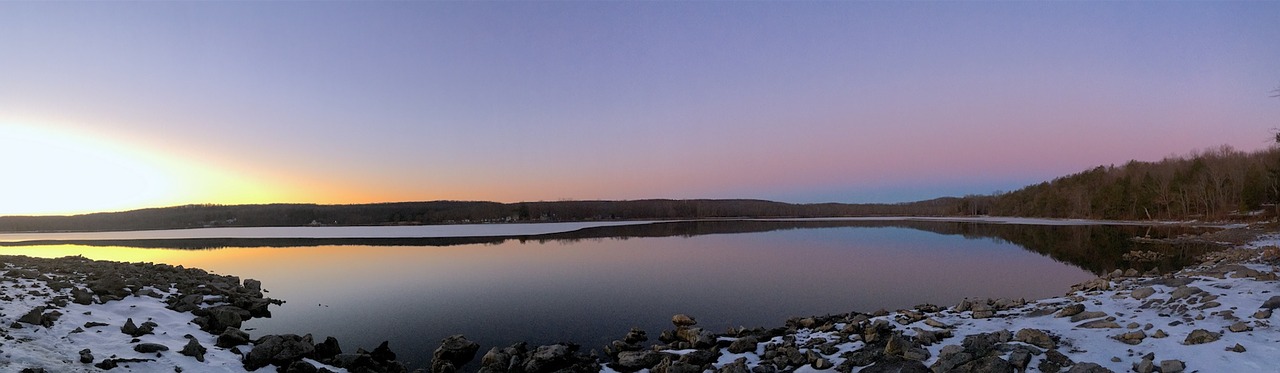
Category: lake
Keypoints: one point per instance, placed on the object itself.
(590, 283)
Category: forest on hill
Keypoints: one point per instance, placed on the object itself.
(1216, 184)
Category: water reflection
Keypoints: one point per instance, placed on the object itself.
(592, 285)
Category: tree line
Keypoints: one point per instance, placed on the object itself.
(1214, 184)
(456, 212)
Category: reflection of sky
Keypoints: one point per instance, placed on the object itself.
(544, 292)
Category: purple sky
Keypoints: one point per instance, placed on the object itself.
(340, 102)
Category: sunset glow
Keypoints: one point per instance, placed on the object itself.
(115, 106)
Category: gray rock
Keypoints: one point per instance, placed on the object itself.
(150, 347)
(86, 356)
(1089, 368)
(1184, 292)
(456, 349)
(744, 344)
(1271, 303)
(81, 296)
(253, 285)
(898, 366)
(383, 353)
(1239, 326)
(1236, 348)
(324, 350)
(193, 349)
(279, 350)
(221, 318)
(231, 337)
(1144, 366)
(1142, 292)
(636, 360)
(1172, 366)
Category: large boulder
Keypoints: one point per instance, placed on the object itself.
(455, 350)
(279, 350)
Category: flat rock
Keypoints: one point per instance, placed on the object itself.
(1142, 292)
(1100, 324)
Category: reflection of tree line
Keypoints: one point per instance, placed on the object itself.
(1095, 248)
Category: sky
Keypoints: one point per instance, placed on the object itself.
(108, 106)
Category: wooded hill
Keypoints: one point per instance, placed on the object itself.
(454, 212)
(1215, 184)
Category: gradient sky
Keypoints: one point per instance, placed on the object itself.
(121, 105)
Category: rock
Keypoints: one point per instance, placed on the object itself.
(1057, 357)
(1236, 348)
(1093, 285)
(150, 347)
(1199, 336)
(982, 311)
(86, 356)
(324, 350)
(1070, 310)
(895, 366)
(1088, 315)
(1184, 291)
(1099, 324)
(637, 360)
(1271, 303)
(744, 344)
(1035, 337)
(383, 353)
(279, 350)
(456, 350)
(223, 317)
(1172, 366)
(635, 336)
(1142, 292)
(1089, 368)
(1020, 358)
(988, 364)
(33, 317)
(1262, 314)
(137, 331)
(193, 349)
(300, 366)
(81, 296)
(683, 320)
(936, 324)
(1239, 326)
(821, 364)
(1159, 334)
(1145, 366)
(253, 285)
(1132, 338)
(232, 337)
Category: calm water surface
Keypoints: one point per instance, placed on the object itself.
(591, 286)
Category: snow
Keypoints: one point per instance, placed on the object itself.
(57, 348)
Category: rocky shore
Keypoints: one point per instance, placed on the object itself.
(78, 315)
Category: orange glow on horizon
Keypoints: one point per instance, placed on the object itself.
(54, 171)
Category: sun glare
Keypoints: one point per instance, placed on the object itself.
(50, 172)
